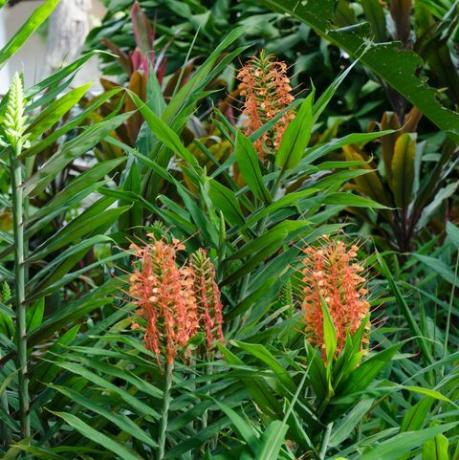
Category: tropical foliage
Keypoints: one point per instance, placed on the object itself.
(246, 246)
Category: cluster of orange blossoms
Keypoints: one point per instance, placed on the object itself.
(266, 89)
(175, 301)
(332, 275)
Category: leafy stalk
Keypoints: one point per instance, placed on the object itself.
(165, 411)
(14, 126)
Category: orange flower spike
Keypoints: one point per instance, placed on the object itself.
(210, 308)
(331, 274)
(164, 294)
(267, 91)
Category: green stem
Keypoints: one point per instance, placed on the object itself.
(165, 412)
(209, 369)
(19, 291)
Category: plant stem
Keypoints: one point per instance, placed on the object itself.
(165, 412)
(19, 291)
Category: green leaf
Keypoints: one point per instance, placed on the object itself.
(374, 12)
(436, 448)
(349, 199)
(264, 355)
(203, 75)
(56, 110)
(77, 187)
(163, 132)
(403, 169)
(330, 339)
(406, 311)
(257, 387)
(439, 267)
(35, 20)
(225, 200)
(364, 375)
(93, 218)
(35, 315)
(453, 234)
(428, 392)
(247, 159)
(71, 150)
(403, 443)
(245, 429)
(417, 415)
(124, 423)
(290, 199)
(344, 427)
(107, 443)
(297, 136)
(278, 233)
(135, 403)
(272, 441)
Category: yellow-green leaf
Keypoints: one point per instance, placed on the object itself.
(403, 169)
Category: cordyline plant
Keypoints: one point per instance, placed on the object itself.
(176, 302)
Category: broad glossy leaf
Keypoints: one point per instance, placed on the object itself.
(403, 169)
(385, 59)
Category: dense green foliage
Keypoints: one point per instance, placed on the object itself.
(163, 153)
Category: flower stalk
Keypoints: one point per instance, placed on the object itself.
(165, 410)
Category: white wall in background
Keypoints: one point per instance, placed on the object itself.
(31, 57)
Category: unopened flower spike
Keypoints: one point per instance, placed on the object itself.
(14, 122)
